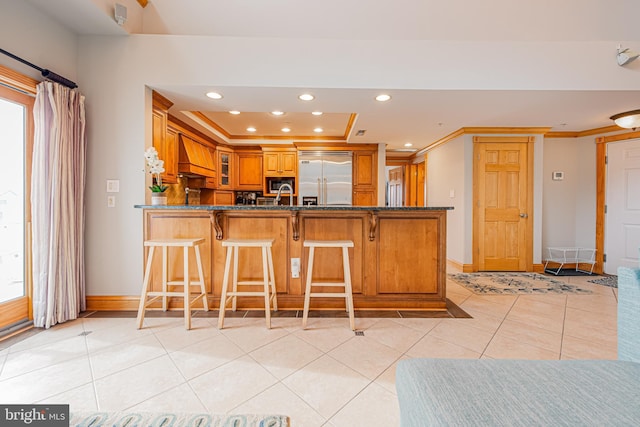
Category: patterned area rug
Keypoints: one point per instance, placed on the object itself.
(611, 281)
(514, 283)
(150, 419)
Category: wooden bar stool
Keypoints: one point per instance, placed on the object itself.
(167, 284)
(348, 292)
(268, 277)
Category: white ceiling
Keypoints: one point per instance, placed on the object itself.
(417, 116)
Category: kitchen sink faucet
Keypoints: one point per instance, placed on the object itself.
(280, 194)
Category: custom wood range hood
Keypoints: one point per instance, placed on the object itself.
(195, 159)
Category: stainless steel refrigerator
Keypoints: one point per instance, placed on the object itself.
(325, 178)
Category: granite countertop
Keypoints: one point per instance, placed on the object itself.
(291, 208)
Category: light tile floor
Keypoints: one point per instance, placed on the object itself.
(322, 376)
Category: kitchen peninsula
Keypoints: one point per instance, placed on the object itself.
(398, 260)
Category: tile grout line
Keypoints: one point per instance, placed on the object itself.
(493, 336)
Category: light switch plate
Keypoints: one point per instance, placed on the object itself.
(113, 186)
(295, 268)
(111, 201)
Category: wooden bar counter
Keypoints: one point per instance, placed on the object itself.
(398, 261)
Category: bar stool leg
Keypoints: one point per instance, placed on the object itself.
(225, 284)
(165, 274)
(234, 299)
(187, 289)
(307, 291)
(347, 287)
(145, 286)
(203, 291)
(272, 279)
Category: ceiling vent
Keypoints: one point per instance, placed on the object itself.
(360, 132)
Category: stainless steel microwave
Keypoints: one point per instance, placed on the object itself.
(274, 185)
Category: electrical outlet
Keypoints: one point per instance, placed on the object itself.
(111, 201)
(295, 268)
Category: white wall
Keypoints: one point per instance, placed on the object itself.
(569, 206)
(446, 173)
(38, 39)
(585, 211)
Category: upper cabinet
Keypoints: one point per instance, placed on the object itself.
(365, 178)
(280, 161)
(165, 142)
(225, 168)
(248, 175)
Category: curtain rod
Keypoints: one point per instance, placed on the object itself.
(49, 75)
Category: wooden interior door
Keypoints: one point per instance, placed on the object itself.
(421, 183)
(396, 187)
(502, 229)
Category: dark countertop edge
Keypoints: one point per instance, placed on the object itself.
(292, 208)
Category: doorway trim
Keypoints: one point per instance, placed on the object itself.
(528, 244)
(601, 190)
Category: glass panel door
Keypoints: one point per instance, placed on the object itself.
(16, 111)
(11, 201)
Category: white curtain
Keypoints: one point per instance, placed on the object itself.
(57, 204)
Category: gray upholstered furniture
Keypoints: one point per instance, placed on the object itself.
(451, 392)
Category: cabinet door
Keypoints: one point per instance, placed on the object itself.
(364, 198)
(249, 171)
(164, 142)
(271, 164)
(365, 169)
(170, 175)
(224, 169)
(224, 198)
(365, 178)
(288, 163)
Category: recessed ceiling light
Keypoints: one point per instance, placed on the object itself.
(383, 97)
(285, 130)
(318, 130)
(317, 113)
(214, 95)
(408, 144)
(234, 112)
(277, 113)
(251, 129)
(306, 97)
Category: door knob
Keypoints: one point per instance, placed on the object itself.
(524, 215)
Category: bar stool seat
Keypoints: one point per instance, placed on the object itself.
(346, 283)
(268, 277)
(168, 284)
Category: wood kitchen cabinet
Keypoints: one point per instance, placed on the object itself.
(386, 272)
(225, 198)
(280, 161)
(365, 178)
(248, 174)
(225, 168)
(165, 140)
